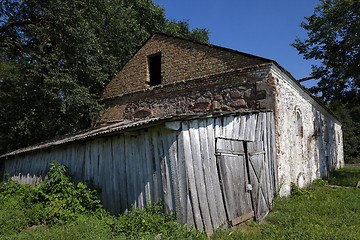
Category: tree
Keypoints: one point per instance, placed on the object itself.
(334, 39)
(349, 114)
(56, 56)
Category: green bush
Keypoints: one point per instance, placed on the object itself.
(57, 209)
(61, 199)
(151, 221)
(301, 192)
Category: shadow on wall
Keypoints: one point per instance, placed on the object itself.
(326, 142)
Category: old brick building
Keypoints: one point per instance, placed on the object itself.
(193, 78)
(212, 131)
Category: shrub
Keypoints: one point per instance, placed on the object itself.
(57, 209)
(61, 199)
(301, 193)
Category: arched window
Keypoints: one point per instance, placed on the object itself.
(299, 123)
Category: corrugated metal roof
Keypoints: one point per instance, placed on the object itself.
(116, 128)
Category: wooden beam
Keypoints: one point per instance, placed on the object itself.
(242, 218)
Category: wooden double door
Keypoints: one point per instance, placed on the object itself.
(244, 178)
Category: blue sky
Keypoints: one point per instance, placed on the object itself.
(261, 27)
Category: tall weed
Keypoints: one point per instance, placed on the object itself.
(57, 209)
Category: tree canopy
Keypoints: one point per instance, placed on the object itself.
(333, 38)
(56, 56)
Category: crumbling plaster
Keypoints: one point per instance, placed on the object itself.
(309, 138)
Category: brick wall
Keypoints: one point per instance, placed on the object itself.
(181, 60)
(236, 90)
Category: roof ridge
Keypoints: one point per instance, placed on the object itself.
(208, 45)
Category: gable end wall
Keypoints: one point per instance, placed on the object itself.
(181, 60)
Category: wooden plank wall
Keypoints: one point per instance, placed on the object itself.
(177, 165)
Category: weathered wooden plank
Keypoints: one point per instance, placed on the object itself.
(123, 175)
(34, 169)
(158, 191)
(103, 172)
(68, 156)
(95, 161)
(112, 188)
(218, 127)
(228, 127)
(129, 170)
(80, 155)
(145, 168)
(242, 129)
(259, 127)
(251, 136)
(116, 174)
(229, 146)
(165, 172)
(172, 142)
(186, 210)
(72, 161)
(46, 161)
(13, 167)
(112, 182)
(138, 162)
(236, 128)
(189, 213)
(242, 218)
(134, 181)
(199, 174)
(206, 165)
(247, 127)
(138, 173)
(215, 175)
(148, 167)
(87, 173)
(191, 177)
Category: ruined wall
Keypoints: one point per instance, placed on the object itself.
(180, 60)
(309, 138)
(246, 89)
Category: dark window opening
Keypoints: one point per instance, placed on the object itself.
(300, 128)
(155, 69)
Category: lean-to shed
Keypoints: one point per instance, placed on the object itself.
(212, 131)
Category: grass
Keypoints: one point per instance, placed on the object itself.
(318, 212)
(348, 176)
